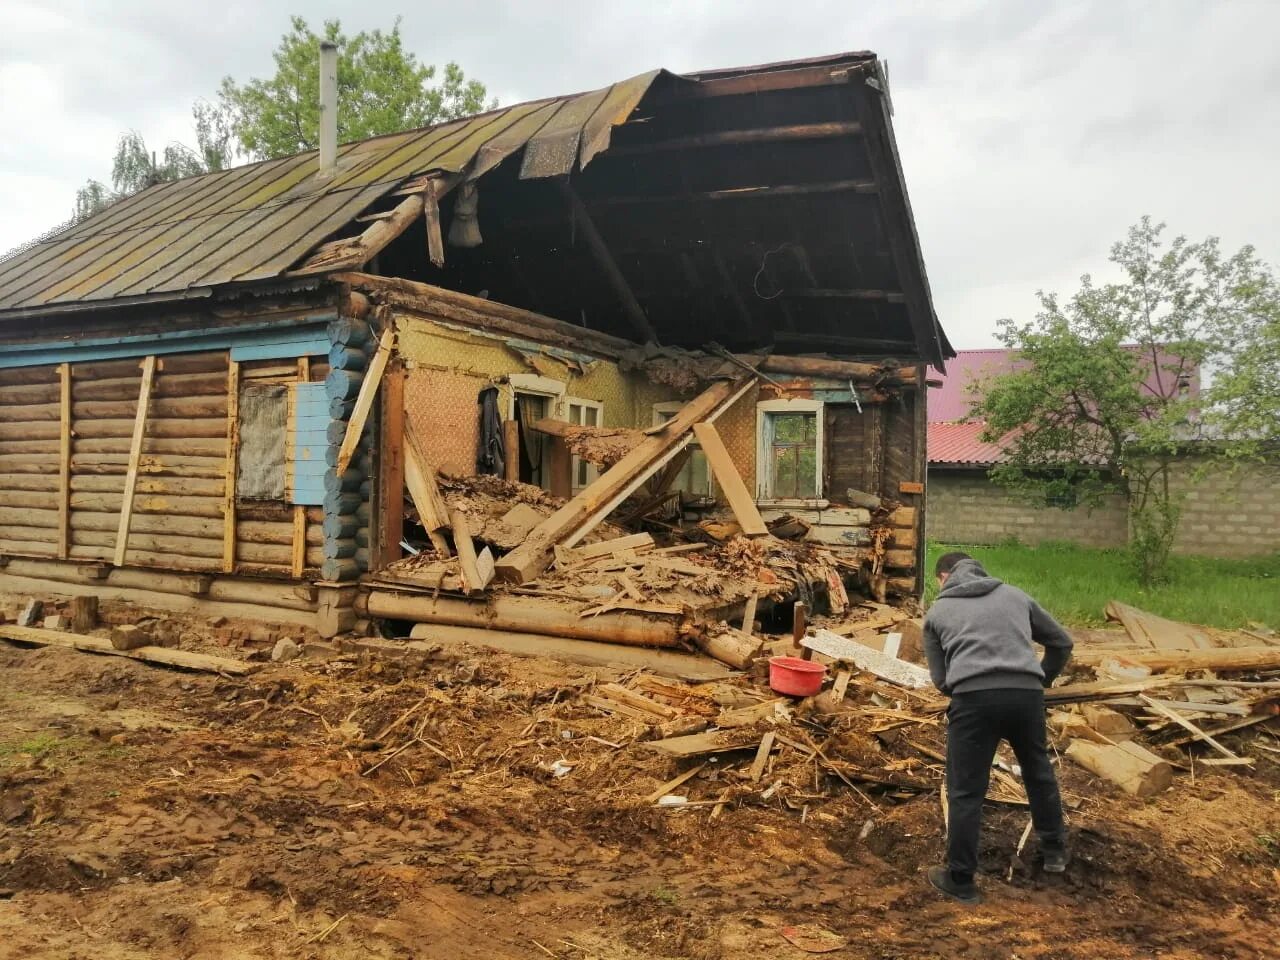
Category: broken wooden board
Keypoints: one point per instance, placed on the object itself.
(735, 491)
(1147, 629)
(700, 744)
(863, 657)
(604, 548)
(1194, 730)
(151, 654)
(1219, 659)
(1103, 689)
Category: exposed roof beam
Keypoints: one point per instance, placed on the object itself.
(725, 138)
(600, 251)
(748, 193)
(817, 75)
(817, 293)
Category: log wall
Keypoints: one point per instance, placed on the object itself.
(65, 438)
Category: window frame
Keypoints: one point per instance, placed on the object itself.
(671, 408)
(593, 472)
(765, 410)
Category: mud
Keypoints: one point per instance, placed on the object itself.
(150, 813)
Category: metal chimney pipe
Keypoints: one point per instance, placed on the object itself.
(328, 108)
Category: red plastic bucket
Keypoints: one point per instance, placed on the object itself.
(795, 677)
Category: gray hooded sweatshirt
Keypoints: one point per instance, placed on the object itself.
(979, 634)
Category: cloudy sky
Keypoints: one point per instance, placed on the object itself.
(1032, 133)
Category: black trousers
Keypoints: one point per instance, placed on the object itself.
(976, 723)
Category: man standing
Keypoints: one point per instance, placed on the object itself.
(978, 639)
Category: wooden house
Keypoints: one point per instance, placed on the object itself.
(206, 389)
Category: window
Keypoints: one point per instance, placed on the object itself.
(695, 479)
(534, 397)
(789, 453)
(584, 413)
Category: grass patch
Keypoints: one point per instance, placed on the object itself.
(1074, 583)
(37, 748)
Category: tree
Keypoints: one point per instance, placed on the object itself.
(1105, 395)
(135, 167)
(1246, 393)
(382, 88)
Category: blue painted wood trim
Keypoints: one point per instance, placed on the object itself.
(310, 445)
(310, 330)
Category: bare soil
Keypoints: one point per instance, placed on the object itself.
(150, 813)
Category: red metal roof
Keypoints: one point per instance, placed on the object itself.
(961, 444)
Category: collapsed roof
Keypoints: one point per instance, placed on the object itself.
(759, 207)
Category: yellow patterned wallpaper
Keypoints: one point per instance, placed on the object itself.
(448, 367)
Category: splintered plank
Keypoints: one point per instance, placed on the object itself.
(421, 482)
(580, 514)
(135, 455)
(730, 480)
(162, 655)
(1150, 630)
(700, 744)
(364, 399)
(472, 580)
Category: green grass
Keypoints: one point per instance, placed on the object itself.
(1074, 583)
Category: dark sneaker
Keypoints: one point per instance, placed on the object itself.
(1055, 859)
(966, 893)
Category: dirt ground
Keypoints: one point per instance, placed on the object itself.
(151, 813)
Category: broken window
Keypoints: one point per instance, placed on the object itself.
(695, 479)
(790, 450)
(584, 413)
(260, 463)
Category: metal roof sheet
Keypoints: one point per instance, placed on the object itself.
(253, 222)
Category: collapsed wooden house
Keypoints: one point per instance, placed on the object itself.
(215, 395)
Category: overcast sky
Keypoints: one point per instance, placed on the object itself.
(1032, 133)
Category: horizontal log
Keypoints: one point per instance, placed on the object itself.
(198, 606)
(270, 511)
(194, 446)
(834, 369)
(28, 499)
(149, 523)
(229, 589)
(174, 407)
(139, 558)
(28, 481)
(44, 516)
(19, 395)
(175, 363)
(149, 503)
(149, 465)
(259, 531)
(30, 447)
(522, 614)
(28, 463)
(174, 546)
(1222, 658)
(900, 559)
(46, 373)
(173, 486)
(156, 427)
(182, 385)
(28, 548)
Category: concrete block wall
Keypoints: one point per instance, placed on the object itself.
(1225, 513)
(966, 507)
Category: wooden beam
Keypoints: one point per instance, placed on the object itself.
(364, 399)
(421, 482)
(233, 450)
(351, 252)
(431, 218)
(732, 486)
(163, 655)
(826, 293)
(725, 138)
(1191, 728)
(603, 495)
(1184, 661)
(511, 448)
(604, 260)
(135, 455)
(391, 467)
(745, 193)
(472, 582)
(64, 461)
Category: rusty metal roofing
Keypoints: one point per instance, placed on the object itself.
(253, 222)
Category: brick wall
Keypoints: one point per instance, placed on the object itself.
(1225, 513)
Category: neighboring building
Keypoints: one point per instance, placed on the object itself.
(1224, 514)
(180, 374)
